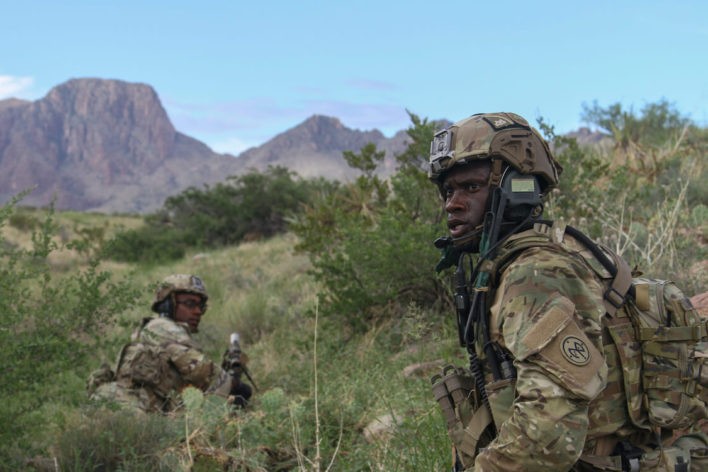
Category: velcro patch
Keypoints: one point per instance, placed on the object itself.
(498, 122)
(564, 350)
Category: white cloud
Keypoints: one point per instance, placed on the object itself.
(13, 87)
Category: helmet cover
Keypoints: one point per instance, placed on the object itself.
(490, 136)
(179, 283)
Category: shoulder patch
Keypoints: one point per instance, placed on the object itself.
(575, 350)
(557, 345)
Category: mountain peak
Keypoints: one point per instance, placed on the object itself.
(108, 145)
(123, 101)
(323, 120)
(83, 141)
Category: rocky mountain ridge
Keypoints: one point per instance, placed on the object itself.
(109, 146)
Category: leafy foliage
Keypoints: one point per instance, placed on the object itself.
(642, 195)
(656, 123)
(370, 240)
(149, 244)
(48, 327)
(246, 207)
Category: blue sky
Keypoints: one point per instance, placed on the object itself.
(233, 74)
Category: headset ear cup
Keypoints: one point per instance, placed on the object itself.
(165, 307)
(523, 194)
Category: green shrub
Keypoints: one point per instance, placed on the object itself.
(370, 241)
(148, 245)
(24, 220)
(48, 328)
(247, 207)
(638, 196)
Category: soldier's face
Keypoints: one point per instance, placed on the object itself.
(466, 191)
(189, 309)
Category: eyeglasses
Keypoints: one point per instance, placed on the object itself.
(191, 304)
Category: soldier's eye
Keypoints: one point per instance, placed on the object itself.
(472, 187)
(191, 304)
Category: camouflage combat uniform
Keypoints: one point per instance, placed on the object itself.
(568, 397)
(160, 362)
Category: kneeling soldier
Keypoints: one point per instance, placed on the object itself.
(162, 358)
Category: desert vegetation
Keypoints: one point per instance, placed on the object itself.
(332, 288)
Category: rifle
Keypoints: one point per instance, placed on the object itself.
(234, 355)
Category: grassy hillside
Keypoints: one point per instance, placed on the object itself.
(320, 388)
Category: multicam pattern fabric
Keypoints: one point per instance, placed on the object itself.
(505, 136)
(547, 300)
(161, 360)
(674, 348)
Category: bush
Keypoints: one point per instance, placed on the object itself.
(148, 245)
(101, 439)
(23, 220)
(48, 328)
(370, 241)
(246, 207)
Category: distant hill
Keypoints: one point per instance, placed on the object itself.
(101, 145)
(108, 146)
(314, 148)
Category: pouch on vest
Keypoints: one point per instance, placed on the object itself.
(501, 394)
(469, 422)
(141, 364)
(695, 446)
(674, 347)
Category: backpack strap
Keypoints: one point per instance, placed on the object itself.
(545, 233)
(616, 293)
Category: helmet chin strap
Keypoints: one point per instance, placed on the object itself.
(469, 242)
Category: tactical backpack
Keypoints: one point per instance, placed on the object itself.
(140, 364)
(98, 377)
(661, 339)
(663, 349)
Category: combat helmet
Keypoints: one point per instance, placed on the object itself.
(503, 138)
(522, 171)
(177, 283)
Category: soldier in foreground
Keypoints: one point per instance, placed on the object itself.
(162, 358)
(545, 389)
